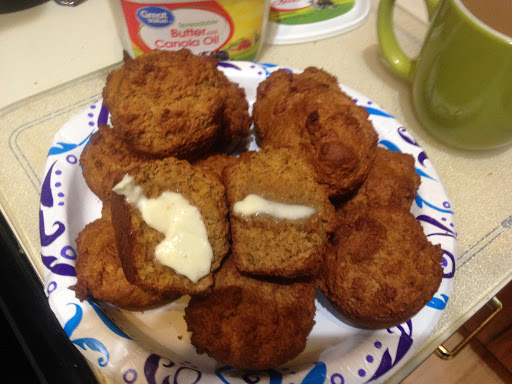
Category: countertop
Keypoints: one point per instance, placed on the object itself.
(52, 46)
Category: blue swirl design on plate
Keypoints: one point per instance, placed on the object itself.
(448, 264)
(389, 145)
(61, 147)
(102, 116)
(317, 375)
(177, 380)
(86, 342)
(438, 303)
(46, 189)
(47, 239)
(106, 320)
(151, 369)
(227, 64)
(275, 377)
(436, 223)
(405, 136)
(60, 269)
(47, 202)
(268, 68)
(422, 157)
(420, 201)
(378, 112)
(218, 373)
(422, 173)
(404, 344)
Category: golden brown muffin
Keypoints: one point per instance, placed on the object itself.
(251, 324)
(99, 271)
(392, 181)
(175, 103)
(106, 157)
(263, 244)
(166, 103)
(380, 269)
(136, 240)
(309, 114)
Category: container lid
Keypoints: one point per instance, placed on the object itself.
(299, 21)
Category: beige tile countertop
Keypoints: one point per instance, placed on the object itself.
(54, 55)
(50, 44)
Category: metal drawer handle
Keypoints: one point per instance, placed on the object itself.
(445, 354)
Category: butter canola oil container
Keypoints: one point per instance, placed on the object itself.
(229, 29)
(298, 21)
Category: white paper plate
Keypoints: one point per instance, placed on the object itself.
(154, 346)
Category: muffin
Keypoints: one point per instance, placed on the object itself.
(249, 323)
(137, 240)
(380, 268)
(265, 242)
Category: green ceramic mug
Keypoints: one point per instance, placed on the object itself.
(462, 78)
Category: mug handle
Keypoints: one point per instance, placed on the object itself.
(395, 56)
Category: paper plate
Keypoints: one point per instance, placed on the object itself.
(154, 346)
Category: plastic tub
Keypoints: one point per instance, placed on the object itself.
(229, 29)
(299, 21)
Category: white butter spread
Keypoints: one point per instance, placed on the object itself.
(185, 248)
(255, 205)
